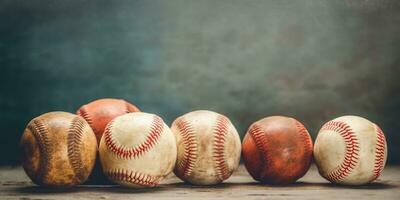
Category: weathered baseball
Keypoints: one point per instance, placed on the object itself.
(100, 112)
(208, 147)
(277, 150)
(350, 150)
(137, 150)
(58, 149)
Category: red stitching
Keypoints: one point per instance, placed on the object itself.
(220, 131)
(84, 113)
(261, 142)
(74, 141)
(155, 132)
(40, 132)
(307, 145)
(133, 177)
(380, 152)
(186, 165)
(352, 150)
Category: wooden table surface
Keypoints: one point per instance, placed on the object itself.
(16, 185)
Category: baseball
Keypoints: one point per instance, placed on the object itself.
(350, 150)
(100, 112)
(208, 147)
(58, 149)
(137, 150)
(277, 150)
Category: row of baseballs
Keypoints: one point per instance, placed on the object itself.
(138, 149)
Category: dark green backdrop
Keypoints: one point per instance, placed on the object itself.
(313, 60)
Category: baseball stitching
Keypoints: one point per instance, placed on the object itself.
(379, 152)
(83, 113)
(305, 136)
(186, 164)
(40, 132)
(352, 150)
(261, 142)
(120, 151)
(133, 177)
(74, 142)
(220, 132)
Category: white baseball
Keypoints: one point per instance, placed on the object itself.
(350, 150)
(137, 150)
(208, 147)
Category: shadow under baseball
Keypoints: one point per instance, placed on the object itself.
(194, 188)
(84, 188)
(369, 186)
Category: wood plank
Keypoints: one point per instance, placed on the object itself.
(16, 185)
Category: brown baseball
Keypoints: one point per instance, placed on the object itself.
(58, 149)
(100, 112)
(277, 150)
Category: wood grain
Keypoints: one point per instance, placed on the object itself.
(15, 185)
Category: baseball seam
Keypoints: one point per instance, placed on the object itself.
(261, 142)
(120, 151)
(220, 132)
(186, 165)
(352, 150)
(379, 152)
(305, 136)
(132, 177)
(83, 113)
(40, 132)
(74, 142)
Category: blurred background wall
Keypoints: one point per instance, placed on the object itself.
(314, 60)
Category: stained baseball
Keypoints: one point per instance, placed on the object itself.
(58, 149)
(350, 150)
(277, 150)
(100, 112)
(208, 147)
(137, 150)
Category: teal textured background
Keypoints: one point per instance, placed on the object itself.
(313, 60)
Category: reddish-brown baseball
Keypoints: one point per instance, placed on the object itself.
(99, 112)
(277, 150)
